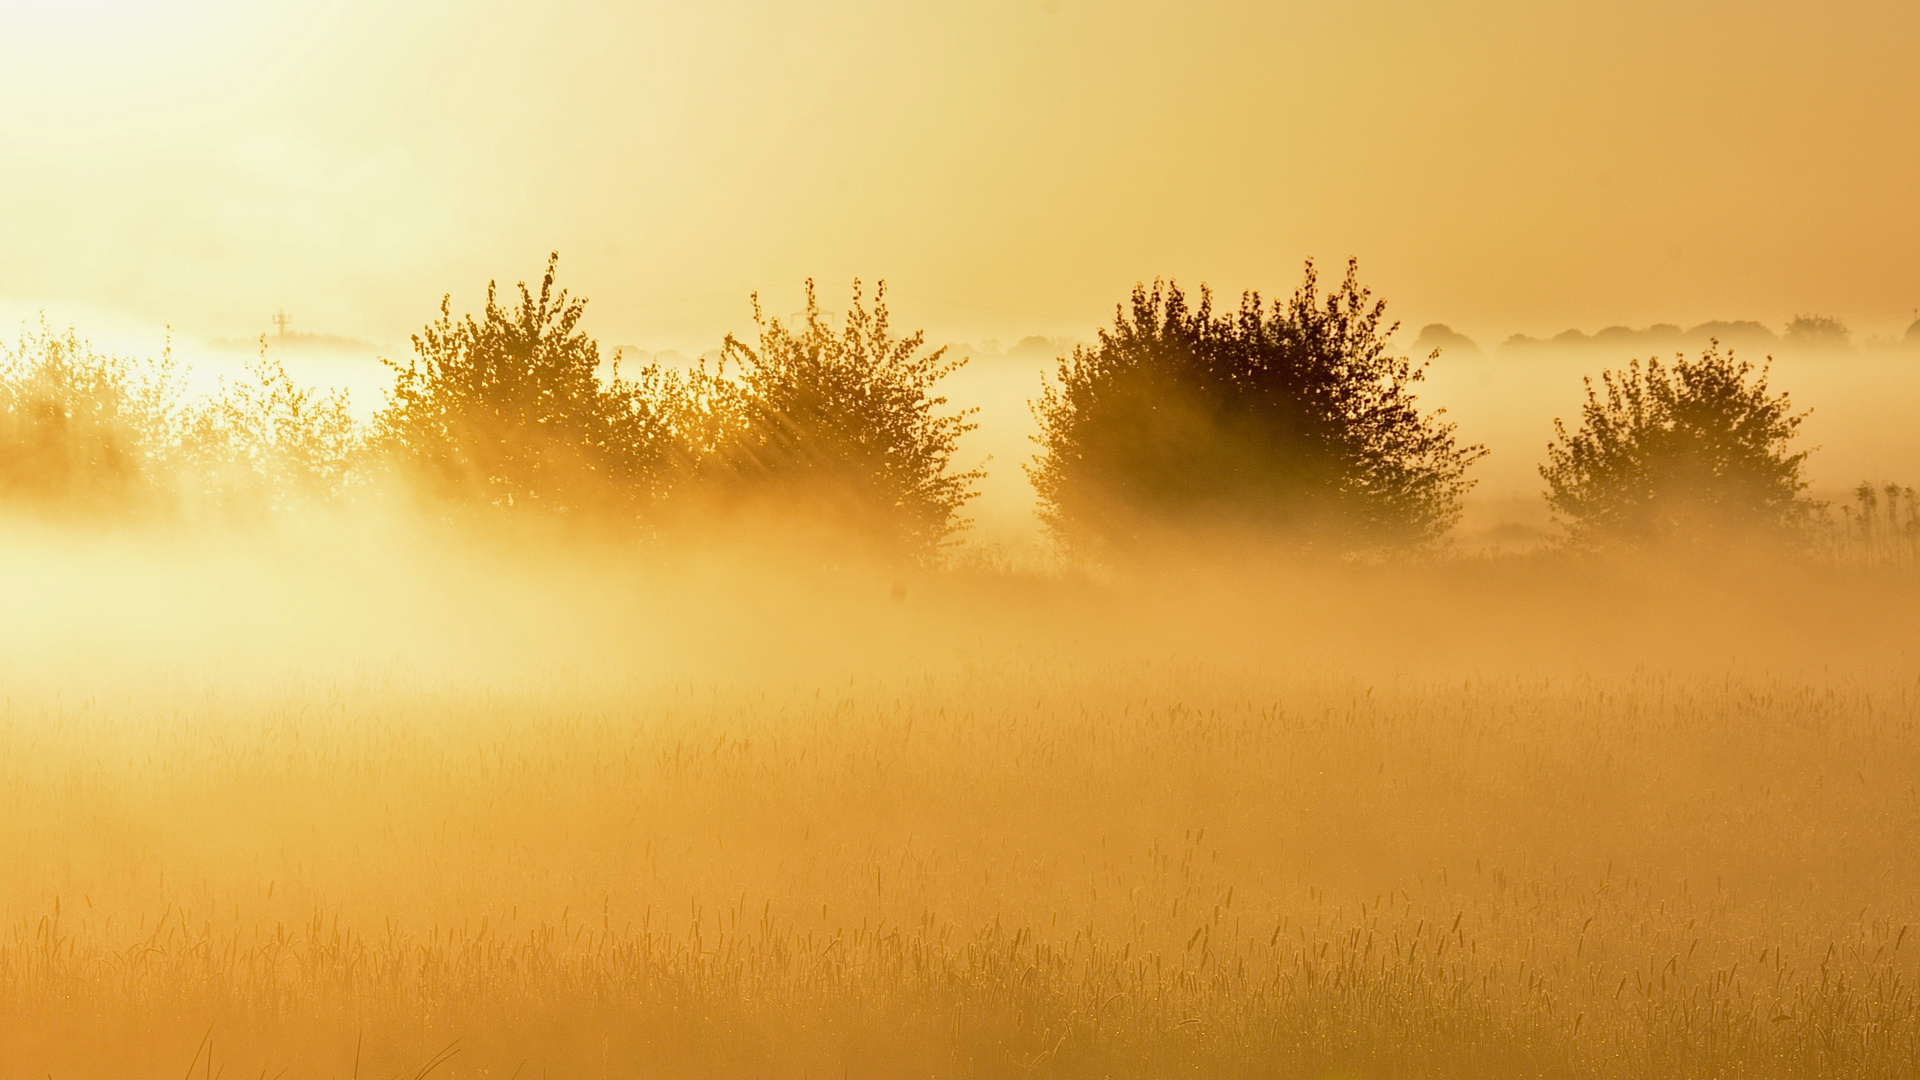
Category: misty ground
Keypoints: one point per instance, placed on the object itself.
(336, 798)
(382, 791)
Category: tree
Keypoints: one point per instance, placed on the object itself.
(1294, 420)
(264, 443)
(840, 429)
(1818, 332)
(1690, 454)
(511, 408)
(83, 431)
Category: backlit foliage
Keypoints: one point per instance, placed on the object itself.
(1694, 453)
(1293, 420)
(510, 408)
(82, 431)
(838, 429)
(265, 443)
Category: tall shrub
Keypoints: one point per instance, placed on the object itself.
(1294, 421)
(1699, 452)
(264, 443)
(511, 409)
(838, 430)
(82, 431)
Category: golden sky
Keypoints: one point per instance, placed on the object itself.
(1011, 166)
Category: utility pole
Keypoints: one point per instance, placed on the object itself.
(280, 320)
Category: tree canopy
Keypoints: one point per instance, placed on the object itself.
(512, 406)
(265, 443)
(839, 429)
(83, 431)
(1293, 419)
(1696, 452)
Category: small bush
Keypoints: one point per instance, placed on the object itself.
(1695, 453)
(840, 429)
(264, 443)
(82, 431)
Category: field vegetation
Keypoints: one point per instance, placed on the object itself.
(568, 724)
(1294, 420)
(1697, 454)
(614, 824)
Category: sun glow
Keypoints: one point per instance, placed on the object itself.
(90, 19)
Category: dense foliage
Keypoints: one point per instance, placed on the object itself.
(511, 408)
(1818, 332)
(1294, 420)
(83, 431)
(1695, 453)
(1290, 421)
(266, 443)
(839, 429)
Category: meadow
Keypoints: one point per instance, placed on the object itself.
(382, 805)
(989, 587)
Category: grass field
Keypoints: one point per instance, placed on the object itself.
(353, 821)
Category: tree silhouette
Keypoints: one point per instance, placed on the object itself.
(82, 431)
(264, 443)
(511, 408)
(840, 430)
(1818, 332)
(1689, 454)
(1294, 420)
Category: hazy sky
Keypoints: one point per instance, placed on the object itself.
(1012, 166)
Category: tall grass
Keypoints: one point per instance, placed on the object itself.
(995, 867)
(1880, 526)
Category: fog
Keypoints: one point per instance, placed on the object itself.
(1858, 426)
(1858, 402)
(375, 792)
(501, 720)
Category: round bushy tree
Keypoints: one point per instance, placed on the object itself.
(511, 408)
(1699, 452)
(1293, 420)
(836, 430)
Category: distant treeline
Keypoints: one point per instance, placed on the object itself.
(1291, 422)
(1805, 333)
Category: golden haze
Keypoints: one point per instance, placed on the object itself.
(386, 787)
(339, 801)
(1500, 167)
